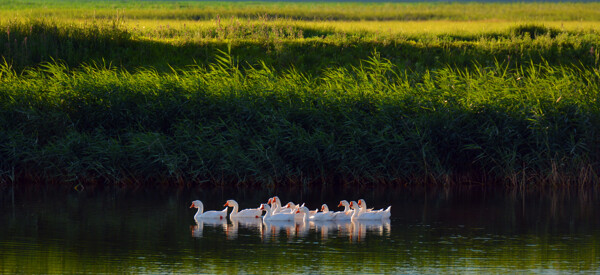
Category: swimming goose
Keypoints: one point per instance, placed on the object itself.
(200, 214)
(246, 213)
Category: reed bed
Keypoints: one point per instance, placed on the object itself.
(372, 123)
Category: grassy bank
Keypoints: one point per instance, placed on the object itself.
(299, 93)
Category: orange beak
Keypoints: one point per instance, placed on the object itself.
(262, 207)
(192, 206)
(297, 211)
(322, 208)
(358, 203)
(351, 203)
(226, 204)
(270, 200)
(340, 205)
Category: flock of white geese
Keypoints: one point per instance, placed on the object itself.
(274, 211)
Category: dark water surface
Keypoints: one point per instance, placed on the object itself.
(434, 230)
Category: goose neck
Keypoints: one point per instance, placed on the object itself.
(235, 208)
(200, 210)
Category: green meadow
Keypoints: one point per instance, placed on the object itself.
(264, 93)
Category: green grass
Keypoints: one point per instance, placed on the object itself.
(263, 93)
(314, 11)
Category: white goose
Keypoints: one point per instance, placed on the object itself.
(275, 203)
(208, 214)
(359, 214)
(304, 212)
(246, 213)
(384, 213)
(310, 212)
(294, 209)
(292, 206)
(270, 216)
(324, 215)
(346, 214)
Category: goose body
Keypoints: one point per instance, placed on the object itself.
(293, 208)
(290, 207)
(361, 214)
(270, 216)
(304, 212)
(384, 213)
(324, 215)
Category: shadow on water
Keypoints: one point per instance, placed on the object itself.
(431, 230)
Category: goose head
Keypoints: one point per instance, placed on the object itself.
(343, 203)
(275, 200)
(302, 209)
(196, 204)
(265, 207)
(231, 203)
(324, 208)
(362, 203)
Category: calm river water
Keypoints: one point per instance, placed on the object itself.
(432, 231)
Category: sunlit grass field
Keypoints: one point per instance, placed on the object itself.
(308, 11)
(167, 34)
(299, 93)
(181, 31)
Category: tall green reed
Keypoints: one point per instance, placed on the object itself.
(374, 123)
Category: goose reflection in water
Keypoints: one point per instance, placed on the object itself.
(197, 229)
(324, 227)
(270, 231)
(292, 229)
(302, 228)
(373, 227)
(252, 224)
